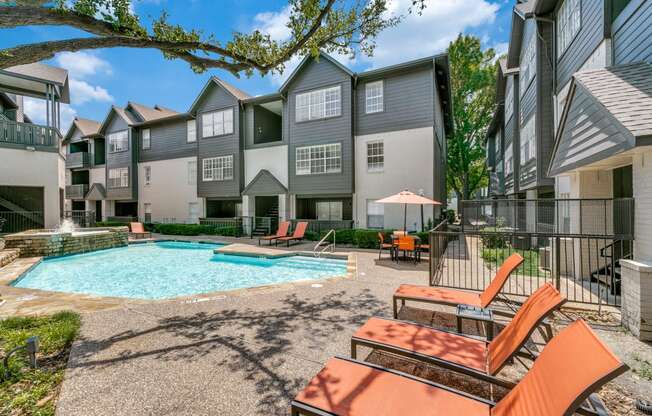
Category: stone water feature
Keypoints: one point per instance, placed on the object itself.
(67, 239)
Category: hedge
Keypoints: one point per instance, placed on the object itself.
(195, 229)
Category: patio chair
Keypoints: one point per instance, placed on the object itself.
(462, 353)
(282, 231)
(382, 245)
(573, 365)
(407, 245)
(454, 297)
(138, 231)
(298, 235)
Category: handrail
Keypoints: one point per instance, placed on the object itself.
(331, 246)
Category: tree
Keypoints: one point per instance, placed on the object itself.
(340, 26)
(473, 80)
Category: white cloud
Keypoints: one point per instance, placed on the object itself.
(83, 64)
(82, 92)
(274, 23)
(421, 35)
(35, 109)
(500, 48)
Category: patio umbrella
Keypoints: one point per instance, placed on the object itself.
(407, 198)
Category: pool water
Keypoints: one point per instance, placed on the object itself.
(168, 269)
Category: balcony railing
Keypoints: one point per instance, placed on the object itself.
(78, 160)
(82, 219)
(76, 191)
(17, 221)
(25, 134)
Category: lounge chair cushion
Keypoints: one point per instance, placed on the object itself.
(458, 349)
(347, 388)
(438, 295)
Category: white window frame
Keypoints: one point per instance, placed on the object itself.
(118, 178)
(378, 211)
(217, 123)
(509, 159)
(569, 24)
(334, 208)
(318, 159)
(192, 172)
(191, 131)
(509, 101)
(375, 155)
(147, 175)
(528, 67)
(218, 168)
(146, 139)
(318, 104)
(118, 141)
(374, 97)
(528, 140)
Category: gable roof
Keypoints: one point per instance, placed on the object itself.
(85, 126)
(150, 113)
(237, 93)
(120, 112)
(305, 61)
(36, 75)
(96, 192)
(264, 183)
(606, 113)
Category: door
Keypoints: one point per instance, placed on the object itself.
(98, 211)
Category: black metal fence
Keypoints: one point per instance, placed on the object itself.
(17, 221)
(317, 226)
(80, 218)
(584, 268)
(595, 216)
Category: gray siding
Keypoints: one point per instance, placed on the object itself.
(407, 103)
(332, 130)
(589, 134)
(632, 33)
(216, 98)
(586, 41)
(545, 125)
(168, 141)
(264, 116)
(121, 159)
(511, 136)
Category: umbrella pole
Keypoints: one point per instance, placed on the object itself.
(405, 218)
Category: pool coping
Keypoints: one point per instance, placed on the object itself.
(27, 301)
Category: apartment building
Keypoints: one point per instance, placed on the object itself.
(324, 147)
(31, 162)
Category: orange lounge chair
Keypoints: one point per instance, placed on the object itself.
(478, 358)
(573, 365)
(282, 231)
(453, 297)
(299, 233)
(137, 229)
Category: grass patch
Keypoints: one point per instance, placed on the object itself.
(643, 368)
(34, 391)
(530, 266)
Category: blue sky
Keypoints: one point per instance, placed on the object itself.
(104, 77)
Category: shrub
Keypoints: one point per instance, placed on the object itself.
(344, 236)
(424, 236)
(179, 229)
(311, 236)
(111, 224)
(369, 238)
(493, 238)
(450, 216)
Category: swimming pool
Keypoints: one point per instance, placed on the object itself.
(169, 269)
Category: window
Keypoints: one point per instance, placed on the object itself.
(118, 141)
(528, 63)
(192, 172)
(528, 141)
(375, 215)
(569, 22)
(147, 207)
(218, 168)
(147, 142)
(191, 126)
(375, 156)
(193, 212)
(509, 101)
(318, 104)
(329, 210)
(217, 123)
(373, 97)
(119, 178)
(148, 175)
(509, 160)
(325, 158)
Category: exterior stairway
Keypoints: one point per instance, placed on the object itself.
(8, 255)
(266, 225)
(609, 275)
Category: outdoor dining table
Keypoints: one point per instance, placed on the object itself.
(417, 243)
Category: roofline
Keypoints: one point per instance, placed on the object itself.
(264, 98)
(402, 65)
(172, 117)
(305, 60)
(106, 119)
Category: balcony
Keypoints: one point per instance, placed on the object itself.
(16, 134)
(78, 160)
(76, 191)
